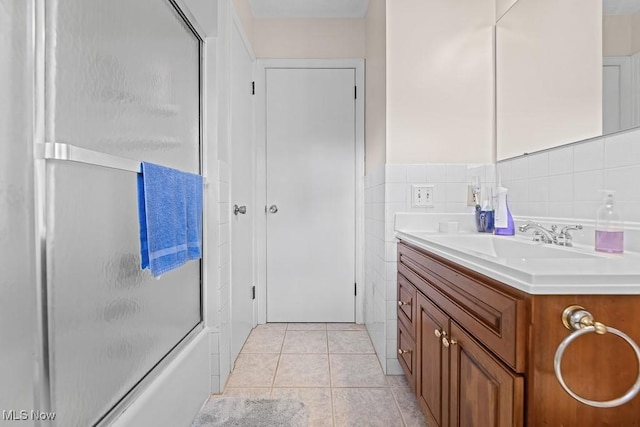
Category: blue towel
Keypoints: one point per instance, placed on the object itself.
(170, 216)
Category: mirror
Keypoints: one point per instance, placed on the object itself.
(565, 71)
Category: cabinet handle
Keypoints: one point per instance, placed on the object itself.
(437, 333)
(401, 351)
(446, 342)
(401, 303)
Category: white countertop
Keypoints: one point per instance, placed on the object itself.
(553, 270)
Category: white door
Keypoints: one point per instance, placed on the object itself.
(311, 178)
(242, 175)
(616, 94)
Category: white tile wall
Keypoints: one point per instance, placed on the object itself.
(375, 293)
(622, 150)
(588, 156)
(564, 182)
(214, 350)
(388, 191)
(220, 372)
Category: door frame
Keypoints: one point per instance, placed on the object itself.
(624, 64)
(261, 172)
(237, 24)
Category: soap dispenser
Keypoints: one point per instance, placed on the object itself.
(609, 231)
(503, 221)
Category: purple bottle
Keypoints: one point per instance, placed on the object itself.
(609, 230)
(503, 221)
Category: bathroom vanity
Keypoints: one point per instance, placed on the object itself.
(477, 333)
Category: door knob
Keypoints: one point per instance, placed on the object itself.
(239, 209)
(273, 209)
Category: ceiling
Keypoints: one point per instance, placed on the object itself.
(621, 7)
(309, 8)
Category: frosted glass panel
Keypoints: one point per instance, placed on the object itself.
(123, 79)
(17, 261)
(110, 321)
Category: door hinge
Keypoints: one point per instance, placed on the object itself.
(355, 289)
(253, 292)
(253, 88)
(355, 92)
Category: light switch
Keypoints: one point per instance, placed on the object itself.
(421, 195)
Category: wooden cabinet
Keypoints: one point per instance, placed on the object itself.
(460, 383)
(432, 383)
(480, 353)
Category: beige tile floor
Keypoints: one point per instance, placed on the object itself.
(331, 367)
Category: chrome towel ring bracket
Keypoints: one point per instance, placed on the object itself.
(577, 319)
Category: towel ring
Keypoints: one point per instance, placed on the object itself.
(579, 320)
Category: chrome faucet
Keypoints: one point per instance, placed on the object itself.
(564, 237)
(542, 234)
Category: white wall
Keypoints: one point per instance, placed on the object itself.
(429, 107)
(317, 38)
(375, 85)
(439, 81)
(243, 9)
(502, 6)
(620, 35)
(616, 35)
(549, 68)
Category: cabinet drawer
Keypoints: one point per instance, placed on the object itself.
(407, 355)
(407, 304)
(478, 303)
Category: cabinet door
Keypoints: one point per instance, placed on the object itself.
(484, 392)
(433, 370)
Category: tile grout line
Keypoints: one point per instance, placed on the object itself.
(275, 372)
(404, 421)
(333, 410)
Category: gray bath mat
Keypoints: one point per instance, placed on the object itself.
(241, 412)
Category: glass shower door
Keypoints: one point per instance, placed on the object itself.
(122, 79)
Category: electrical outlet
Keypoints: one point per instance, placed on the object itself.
(470, 200)
(422, 196)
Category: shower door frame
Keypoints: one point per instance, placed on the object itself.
(37, 69)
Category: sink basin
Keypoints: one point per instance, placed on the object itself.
(517, 261)
(506, 247)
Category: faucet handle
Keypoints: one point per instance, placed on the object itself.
(524, 227)
(565, 230)
(565, 238)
